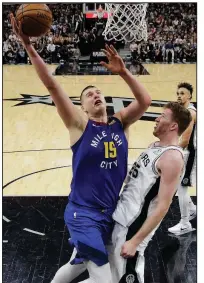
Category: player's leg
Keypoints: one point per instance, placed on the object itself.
(187, 207)
(89, 230)
(98, 274)
(184, 226)
(68, 272)
(140, 258)
(124, 270)
(117, 262)
(127, 270)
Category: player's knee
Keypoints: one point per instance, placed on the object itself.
(99, 274)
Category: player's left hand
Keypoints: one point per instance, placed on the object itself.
(128, 249)
(17, 29)
(115, 64)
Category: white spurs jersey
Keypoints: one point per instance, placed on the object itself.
(142, 185)
(192, 142)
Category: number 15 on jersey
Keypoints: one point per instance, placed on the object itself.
(110, 150)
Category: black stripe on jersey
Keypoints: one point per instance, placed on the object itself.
(153, 165)
(191, 141)
(134, 228)
(137, 224)
(130, 274)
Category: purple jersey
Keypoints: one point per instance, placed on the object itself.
(99, 165)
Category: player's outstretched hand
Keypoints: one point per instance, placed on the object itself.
(17, 29)
(115, 64)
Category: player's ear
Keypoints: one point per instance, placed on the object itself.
(174, 126)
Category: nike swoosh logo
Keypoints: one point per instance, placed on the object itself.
(184, 229)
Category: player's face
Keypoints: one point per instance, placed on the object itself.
(164, 123)
(183, 95)
(93, 101)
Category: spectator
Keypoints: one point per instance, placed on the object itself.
(169, 50)
(21, 56)
(77, 21)
(51, 48)
(158, 53)
(134, 50)
(12, 37)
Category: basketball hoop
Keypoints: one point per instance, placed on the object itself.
(100, 12)
(126, 22)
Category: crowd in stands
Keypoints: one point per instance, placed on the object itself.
(172, 35)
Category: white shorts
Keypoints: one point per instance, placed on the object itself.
(126, 270)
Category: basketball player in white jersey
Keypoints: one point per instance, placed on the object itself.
(188, 143)
(147, 195)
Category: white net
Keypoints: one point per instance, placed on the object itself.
(126, 22)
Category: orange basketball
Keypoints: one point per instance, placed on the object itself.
(36, 19)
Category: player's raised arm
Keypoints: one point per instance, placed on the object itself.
(68, 112)
(137, 108)
(187, 134)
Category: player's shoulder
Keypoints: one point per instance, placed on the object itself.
(170, 162)
(192, 109)
(172, 157)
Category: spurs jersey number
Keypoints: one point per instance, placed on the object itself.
(145, 160)
(110, 150)
(134, 170)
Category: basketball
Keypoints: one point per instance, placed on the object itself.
(36, 19)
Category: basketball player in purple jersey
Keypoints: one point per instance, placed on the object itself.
(100, 151)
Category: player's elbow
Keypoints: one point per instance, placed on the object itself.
(147, 100)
